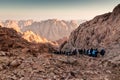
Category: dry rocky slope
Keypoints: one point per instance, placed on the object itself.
(101, 32)
(21, 60)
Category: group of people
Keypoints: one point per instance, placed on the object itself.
(90, 52)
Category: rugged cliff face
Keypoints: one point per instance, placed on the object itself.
(102, 31)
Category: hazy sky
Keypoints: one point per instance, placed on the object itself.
(60, 9)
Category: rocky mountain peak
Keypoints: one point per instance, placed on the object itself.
(101, 32)
(116, 10)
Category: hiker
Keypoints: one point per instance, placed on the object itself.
(89, 52)
(80, 51)
(85, 51)
(64, 52)
(56, 52)
(77, 52)
(94, 53)
(102, 52)
(74, 52)
(68, 53)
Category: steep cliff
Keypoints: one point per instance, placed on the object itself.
(101, 32)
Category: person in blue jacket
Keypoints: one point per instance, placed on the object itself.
(94, 53)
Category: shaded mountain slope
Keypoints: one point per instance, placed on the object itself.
(11, 39)
(101, 32)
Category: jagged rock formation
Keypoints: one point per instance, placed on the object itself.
(101, 32)
(32, 37)
(52, 29)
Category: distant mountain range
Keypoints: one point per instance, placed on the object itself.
(51, 29)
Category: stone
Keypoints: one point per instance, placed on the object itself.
(15, 63)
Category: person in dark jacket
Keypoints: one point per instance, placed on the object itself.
(89, 53)
(102, 52)
(74, 52)
(69, 53)
(80, 51)
(56, 52)
(85, 51)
